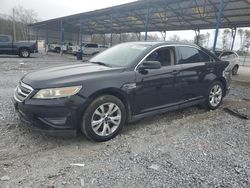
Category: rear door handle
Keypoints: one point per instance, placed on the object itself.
(175, 72)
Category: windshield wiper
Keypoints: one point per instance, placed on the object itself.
(100, 63)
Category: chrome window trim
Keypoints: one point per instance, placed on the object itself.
(163, 46)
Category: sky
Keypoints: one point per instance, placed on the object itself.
(48, 9)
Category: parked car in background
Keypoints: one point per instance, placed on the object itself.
(90, 49)
(21, 48)
(122, 84)
(230, 56)
(54, 47)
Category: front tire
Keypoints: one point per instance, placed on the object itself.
(25, 53)
(104, 118)
(214, 95)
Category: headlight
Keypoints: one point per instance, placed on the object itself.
(53, 93)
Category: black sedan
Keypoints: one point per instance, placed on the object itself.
(124, 83)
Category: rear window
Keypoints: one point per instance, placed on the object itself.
(91, 46)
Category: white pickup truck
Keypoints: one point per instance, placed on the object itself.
(89, 49)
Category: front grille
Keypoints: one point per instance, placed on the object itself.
(22, 91)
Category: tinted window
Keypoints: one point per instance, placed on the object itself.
(228, 55)
(91, 46)
(192, 55)
(164, 55)
(204, 56)
(4, 39)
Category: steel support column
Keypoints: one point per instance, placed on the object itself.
(62, 37)
(234, 31)
(36, 34)
(47, 36)
(62, 32)
(147, 20)
(46, 39)
(111, 30)
(218, 23)
(104, 39)
(81, 50)
(120, 38)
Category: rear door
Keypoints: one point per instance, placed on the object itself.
(192, 83)
(155, 88)
(5, 45)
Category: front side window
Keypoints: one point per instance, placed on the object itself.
(192, 55)
(164, 55)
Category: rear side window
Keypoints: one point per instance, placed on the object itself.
(4, 39)
(228, 55)
(192, 55)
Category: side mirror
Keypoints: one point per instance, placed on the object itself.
(150, 65)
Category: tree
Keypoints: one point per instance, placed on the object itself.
(246, 37)
(175, 38)
(207, 38)
(200, 39)
(225, 39)
(24, 17)
(241, 33)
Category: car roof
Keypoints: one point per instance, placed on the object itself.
(159, 43)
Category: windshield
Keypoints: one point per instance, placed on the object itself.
(120, 55)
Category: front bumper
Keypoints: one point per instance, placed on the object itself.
(57, 117)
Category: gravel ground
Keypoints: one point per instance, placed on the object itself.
(188, 148)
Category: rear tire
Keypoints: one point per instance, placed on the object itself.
(235, 70)
(24, 52)
(104, 118)
(214, 95)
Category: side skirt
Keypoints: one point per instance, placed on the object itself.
(164, 110)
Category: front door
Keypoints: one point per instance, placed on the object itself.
(155, 88)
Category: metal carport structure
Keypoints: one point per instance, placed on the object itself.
(153, 15)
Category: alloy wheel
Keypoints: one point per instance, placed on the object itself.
(25, 53)
(106, 119)
(215, 95)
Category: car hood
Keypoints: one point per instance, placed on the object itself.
(67, 75)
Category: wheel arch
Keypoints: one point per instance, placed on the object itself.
(224, 83)
(236, 65)
(114, 92)
(23, 47)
